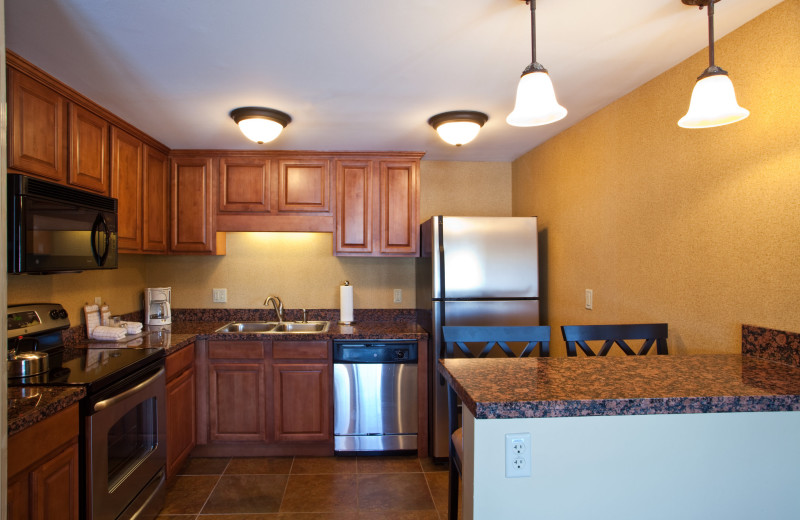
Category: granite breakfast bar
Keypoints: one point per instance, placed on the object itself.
(701, 436)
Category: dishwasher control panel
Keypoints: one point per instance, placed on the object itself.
(375, 351)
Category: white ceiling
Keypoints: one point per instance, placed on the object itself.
(357, 74)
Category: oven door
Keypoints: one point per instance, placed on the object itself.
(126, 448)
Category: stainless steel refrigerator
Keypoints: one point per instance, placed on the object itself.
(473, 271)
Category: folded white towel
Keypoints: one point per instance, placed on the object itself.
(92, 313)
(132, 327)
(108, 333)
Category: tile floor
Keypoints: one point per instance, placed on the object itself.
(308, 488)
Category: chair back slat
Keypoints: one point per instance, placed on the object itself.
(579, 336)
(500, 337)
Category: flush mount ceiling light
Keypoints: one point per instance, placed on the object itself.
(459, 126)
(713, 100)
(259, 124)
(536, 100)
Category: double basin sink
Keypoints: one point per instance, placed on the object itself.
(273, 327)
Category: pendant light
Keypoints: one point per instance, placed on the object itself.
(459, 126)
(536, 99)
(713, 100)
(259, 124)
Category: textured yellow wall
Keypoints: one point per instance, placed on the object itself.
(121, 288)
(697, 228)
(298, 267)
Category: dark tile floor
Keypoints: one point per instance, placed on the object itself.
(308, 488)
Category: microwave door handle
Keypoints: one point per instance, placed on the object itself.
(98, 222)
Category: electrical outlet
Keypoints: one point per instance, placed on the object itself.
(589, 299)
(98, 300)
(219, 295)
(398, 296)
(518, 455)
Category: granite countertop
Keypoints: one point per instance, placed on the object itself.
(31, 404)
(635, 385)
(50, 400)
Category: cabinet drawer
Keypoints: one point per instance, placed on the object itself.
(235, 350)
(179, 361)
(300, 350)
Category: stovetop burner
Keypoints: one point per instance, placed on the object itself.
(38, 327)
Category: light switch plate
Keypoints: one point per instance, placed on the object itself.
(219, 295)
(398, 296)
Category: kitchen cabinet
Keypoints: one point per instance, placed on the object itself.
(54, 138)
(191, 206)
(237, 391)
(377, 206)
(274, 191)
(181, 408)
(37, 128)
(155, 201)
(88, 147)
(127, 153)
(43, 469)
(302, 393)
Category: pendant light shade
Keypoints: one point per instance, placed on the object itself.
(259, 124)
(536, 103)
(458, 127)
(713, 100)
(713, 103)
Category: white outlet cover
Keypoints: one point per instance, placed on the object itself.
(518, 455)
(219, 295)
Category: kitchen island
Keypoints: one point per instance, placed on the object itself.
(631, 437)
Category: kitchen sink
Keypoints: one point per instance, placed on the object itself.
(273, 327)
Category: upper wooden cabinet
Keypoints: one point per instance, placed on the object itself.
(127, 153)
(37, 129)
(274, 192)
(155, 202)
(88, 147)
(377, 206)
(191, 205)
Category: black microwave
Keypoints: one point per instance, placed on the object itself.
(55, 229)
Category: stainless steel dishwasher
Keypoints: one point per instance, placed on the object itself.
(374, 396)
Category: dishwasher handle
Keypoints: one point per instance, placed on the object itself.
(375, 352)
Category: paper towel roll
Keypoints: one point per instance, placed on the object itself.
(346, 304)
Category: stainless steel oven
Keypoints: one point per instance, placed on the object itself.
(123, 434)
(126, 448)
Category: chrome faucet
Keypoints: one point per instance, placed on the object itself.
(277, 304)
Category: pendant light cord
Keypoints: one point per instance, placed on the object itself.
(711, 33)
(533, 30)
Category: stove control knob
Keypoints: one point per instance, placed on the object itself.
(62, 314)
(54, 314)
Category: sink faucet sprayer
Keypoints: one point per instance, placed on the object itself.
(277, 304)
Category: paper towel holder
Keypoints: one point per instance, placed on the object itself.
(342, 322)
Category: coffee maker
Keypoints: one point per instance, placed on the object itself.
(157, 309)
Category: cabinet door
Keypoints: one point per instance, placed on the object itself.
(155, 206)
(54, 486)
(304, 186)
(88, 145)
(354, 207)
(37, 128)
(180, 420)
(244, 184)
(399, 221)
(191, 205)
(126, 187)
(237, 402)
(18, 498)
(301, 400)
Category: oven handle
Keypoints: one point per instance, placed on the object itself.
(111, 401)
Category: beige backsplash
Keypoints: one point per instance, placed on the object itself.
(298, 267)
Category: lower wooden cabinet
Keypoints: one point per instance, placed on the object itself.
(181, 408)
(43, 469)
(264, 398)
(302, 394)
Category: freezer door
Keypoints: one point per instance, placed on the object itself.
(481, 313)
(485, 257)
